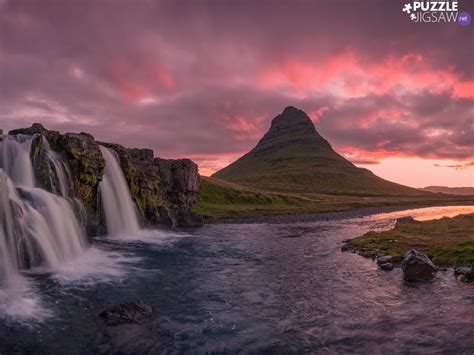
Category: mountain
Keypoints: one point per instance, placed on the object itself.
(293, 157)
(466, 191)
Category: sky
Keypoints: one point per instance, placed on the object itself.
(203, 79)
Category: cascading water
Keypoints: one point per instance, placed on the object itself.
(120, 212)
(36, 226)
(59, 170)
(15, 159)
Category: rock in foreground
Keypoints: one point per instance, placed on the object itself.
(127, 313)
(385, 262)
(417, 266)
(465, 273)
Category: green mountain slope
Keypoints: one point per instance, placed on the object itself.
(293, 157)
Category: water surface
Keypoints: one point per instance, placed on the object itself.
(240, 288)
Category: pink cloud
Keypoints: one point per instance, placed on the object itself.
(139, 79)
(347, 74)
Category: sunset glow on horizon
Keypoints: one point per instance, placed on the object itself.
(203, 79)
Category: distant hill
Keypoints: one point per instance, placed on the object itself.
(293, 157)
(466, 191)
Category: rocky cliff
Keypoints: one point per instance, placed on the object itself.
(164, 191)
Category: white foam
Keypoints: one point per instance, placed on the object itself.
(153, 236)
(19, 301)
(91, 267)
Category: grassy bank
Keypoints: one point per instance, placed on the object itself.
(447, 241)
(219, 199)
(223, 199)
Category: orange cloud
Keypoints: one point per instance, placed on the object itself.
(463, 166)
(354, 153)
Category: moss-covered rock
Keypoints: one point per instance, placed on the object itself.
(86, 165)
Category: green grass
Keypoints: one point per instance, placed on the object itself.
(447, 241)
(218, 199)
(223, 199)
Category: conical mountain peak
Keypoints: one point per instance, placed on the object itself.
(290, 121)
(292, 125)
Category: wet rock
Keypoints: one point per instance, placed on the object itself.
(347, 245)
(127, 313)
(385, 262)
(417, 266)
(384, 259)
(465, 273)
(387, 266)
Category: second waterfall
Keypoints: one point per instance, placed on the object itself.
(120, 211)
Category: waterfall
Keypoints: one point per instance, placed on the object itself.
(120, 212)
(15, 159)
(36, 226)
(59, 172)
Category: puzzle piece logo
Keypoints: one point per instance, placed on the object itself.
(407, 8)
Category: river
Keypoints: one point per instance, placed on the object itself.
(251, 288)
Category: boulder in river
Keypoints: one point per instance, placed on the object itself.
(385, 262)
(465, 273)
(127, 313)
(417, 266)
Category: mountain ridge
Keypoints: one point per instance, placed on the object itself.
(463, 191)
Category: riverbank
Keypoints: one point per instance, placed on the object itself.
(324, 216)
(225, 202)
(447, 241)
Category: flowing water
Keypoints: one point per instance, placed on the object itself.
(36, 227)
(274, 288)
(58, 170)
(119, 209)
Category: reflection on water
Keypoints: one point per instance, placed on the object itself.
(251, 288)
(424, 214)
